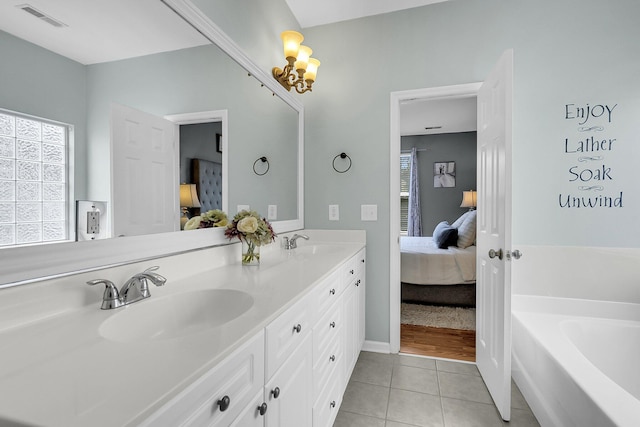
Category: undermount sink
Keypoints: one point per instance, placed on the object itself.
(175, 315)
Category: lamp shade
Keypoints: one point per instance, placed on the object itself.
(189, 196)
(303, 57)
(291, 41)
(312, 69)
(469, 199)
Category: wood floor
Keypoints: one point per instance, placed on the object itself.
(438, 342)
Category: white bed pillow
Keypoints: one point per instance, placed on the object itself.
(467, 230)
(458, 222)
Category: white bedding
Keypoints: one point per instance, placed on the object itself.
(423, 263)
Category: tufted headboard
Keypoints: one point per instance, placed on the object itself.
(207, 176)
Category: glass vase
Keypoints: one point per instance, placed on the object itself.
(250, 253)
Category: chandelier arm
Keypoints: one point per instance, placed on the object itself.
(301, 88)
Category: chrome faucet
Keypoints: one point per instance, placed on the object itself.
(290, 243)
(134, 289)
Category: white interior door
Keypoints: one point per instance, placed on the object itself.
(144, 173)
(493, 315)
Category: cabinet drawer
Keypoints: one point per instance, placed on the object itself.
(286, 333)
(330, 367)
(327, 405)
(239, 377)
(326, 293)
(327, 331)
(349, 271)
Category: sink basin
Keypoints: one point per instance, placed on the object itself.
(175, 315)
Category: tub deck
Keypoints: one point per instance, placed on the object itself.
(566, 374)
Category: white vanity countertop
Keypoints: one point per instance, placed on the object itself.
(60, 371)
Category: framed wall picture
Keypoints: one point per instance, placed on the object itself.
(218, 143)
(444, 174)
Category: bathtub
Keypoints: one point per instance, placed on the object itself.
(577, 362)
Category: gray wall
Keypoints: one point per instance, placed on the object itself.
(201, 79)
(443, 204)
(38, 82)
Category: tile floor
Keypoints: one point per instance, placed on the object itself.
(387, 390)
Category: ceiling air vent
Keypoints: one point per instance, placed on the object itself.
(35, 12)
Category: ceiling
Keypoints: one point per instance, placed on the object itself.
(100, 30)
(449, 115)
(310, 13)
(107, 30)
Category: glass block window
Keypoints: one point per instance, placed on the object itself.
(34, 180)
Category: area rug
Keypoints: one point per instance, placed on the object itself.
(438, 316)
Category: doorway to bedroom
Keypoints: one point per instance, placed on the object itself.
(438, 169)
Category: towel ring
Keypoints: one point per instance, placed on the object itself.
(264, 160)
(342, 156)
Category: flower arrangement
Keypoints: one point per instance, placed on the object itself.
(212, 218)
(254, 231)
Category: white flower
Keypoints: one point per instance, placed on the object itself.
(248, 225)
(193, 223)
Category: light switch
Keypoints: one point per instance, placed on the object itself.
(369, 212)
(243, 208)
(272, 212)
(334, 212)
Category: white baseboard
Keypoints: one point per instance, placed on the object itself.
(376, 347)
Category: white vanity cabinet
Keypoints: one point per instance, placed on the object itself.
(291, 374)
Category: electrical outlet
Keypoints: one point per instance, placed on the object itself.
(243, 208)
(93, 222)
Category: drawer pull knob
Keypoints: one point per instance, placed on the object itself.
(351, 271)
(297, 328)
(358, 282)
(332, 324)
(362, 260)
(332, 291)
(262, 409)
(333, 404)
(224, 403)
(333, 358)
(275, 392)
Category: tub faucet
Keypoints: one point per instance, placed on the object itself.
(134, 289)
(290, 243)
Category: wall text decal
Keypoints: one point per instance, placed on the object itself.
(592, 175)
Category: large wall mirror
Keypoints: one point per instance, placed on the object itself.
(199, 73)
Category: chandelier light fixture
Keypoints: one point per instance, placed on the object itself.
(300, 71)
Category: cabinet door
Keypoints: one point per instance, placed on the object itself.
(253, 415)
(350, 325)
(362, 302)
(289, 392)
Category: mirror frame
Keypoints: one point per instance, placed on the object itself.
(28, 264)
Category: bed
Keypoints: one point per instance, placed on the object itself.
(207, 176)
(443, 276)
